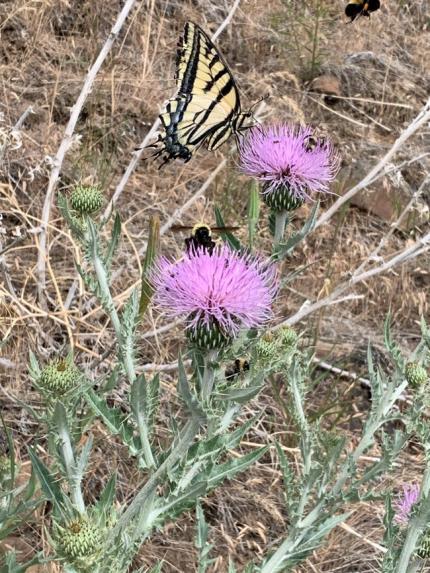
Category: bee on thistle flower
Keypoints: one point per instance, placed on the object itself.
(291, 163)
(218, 294)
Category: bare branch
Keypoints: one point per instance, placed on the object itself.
(67, 142)
(421, 119)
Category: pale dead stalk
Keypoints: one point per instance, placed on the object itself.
(66, 143)
(419, 247)
(422, 118)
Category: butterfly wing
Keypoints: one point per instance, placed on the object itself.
(207, 100)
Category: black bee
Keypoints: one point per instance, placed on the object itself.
(311, 141)
(356, 8)
(201, 236)
(239, 366)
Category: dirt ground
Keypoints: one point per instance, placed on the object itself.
(376, 77)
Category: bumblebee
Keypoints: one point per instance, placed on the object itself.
(356, 8)
(316, 138)
(239, 366)
(201, 236)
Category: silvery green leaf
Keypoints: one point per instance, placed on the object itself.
(229, 469)
(105, 503)
(227, 237)
(114, 241)
(34, 368)
(202, 528)
(253, 212)
(152, 250)
(184, 391)
(178, 503)
(240, 395)
(285, 248)
(114, 420)
(49, 484)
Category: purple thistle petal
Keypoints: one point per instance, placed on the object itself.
(279, 156)
(235, 290)
(404, 504)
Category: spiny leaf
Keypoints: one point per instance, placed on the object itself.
(151, 253)
(227, 237)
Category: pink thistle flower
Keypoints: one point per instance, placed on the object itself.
(405, 502)
(291, 162)
(225, 290)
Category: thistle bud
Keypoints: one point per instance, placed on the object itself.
(4, 466)
(266, 350)
(287, 336)
(415, 374)
(80, 543)
(59, 376)
(86, 199)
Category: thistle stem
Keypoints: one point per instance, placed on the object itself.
(125, 350)
(281, 219)
(69, 462)
(208, 374)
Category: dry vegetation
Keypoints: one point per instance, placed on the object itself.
(382, 72)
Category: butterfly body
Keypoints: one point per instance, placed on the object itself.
(206, 108)
(357, 8)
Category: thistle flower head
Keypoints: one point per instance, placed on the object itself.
(288, 336)
(80, 543)
(222, 292)
(415, 374)
(86, 199)
(291, 169)
(404, 504)
(59, 376)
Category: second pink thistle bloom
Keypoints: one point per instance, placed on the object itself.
(290, 162)
(405, 503)
(217, 294)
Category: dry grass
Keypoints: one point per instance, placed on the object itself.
(46, 49)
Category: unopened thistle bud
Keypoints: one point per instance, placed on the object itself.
(86, 199)
(59, 376)
(287, 336)
(80, 543)
(4, 466)
(267, 351)
(415, 374)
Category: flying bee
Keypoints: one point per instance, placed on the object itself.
(239, 366)
(357, 8)
(201, 236)
(314, 139)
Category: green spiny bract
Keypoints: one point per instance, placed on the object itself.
(416, 375)
(59, 377)
(208, 336)
(4, 466)
(282, 200)
(80, 543)
(423, 550)
(86, 199)
(287, 336)
(267, 350)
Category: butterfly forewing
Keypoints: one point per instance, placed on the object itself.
(207, 102)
